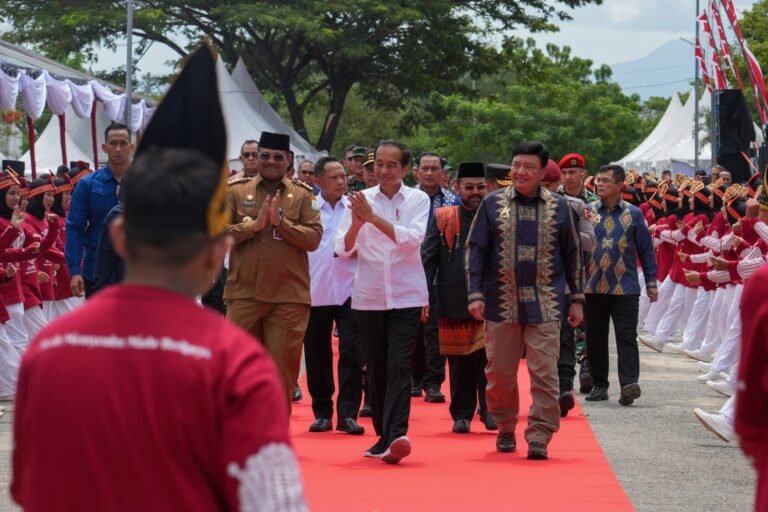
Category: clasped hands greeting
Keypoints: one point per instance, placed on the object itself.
(361, 210)
(269, 214)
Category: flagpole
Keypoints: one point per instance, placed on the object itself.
(129, 66)
(696, 103)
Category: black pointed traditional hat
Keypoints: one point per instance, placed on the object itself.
(189, 121)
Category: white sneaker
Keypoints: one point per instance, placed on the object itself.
(723, 387)
(716, 424)
(710, 375)
(398, 449)
(674, 348)
(699, 355)
(651, 342)
(704, 366)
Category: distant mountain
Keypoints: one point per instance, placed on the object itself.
(666, 70)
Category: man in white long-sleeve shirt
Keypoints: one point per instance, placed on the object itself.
(385, 226)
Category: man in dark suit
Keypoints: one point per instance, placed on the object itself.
(462, 337)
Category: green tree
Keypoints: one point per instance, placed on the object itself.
(306, 50)
(555, 98)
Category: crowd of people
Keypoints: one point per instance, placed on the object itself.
(473, 272)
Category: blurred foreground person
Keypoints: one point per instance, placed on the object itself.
(146, 400)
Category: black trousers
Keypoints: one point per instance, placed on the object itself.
(468, 382)
(623, 310)
(318, 355)
(428, 364)
(566, 362)
(88, 287)
(389, 337)
(214, 299)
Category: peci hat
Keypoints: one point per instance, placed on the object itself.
(277, 141)
(471, 170)
(572, 160)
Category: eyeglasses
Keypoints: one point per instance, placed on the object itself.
(276, 157)
(249, 154)
(472, 188)
(307, 173)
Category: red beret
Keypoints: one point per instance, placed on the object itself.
(552, 172)
(572, 160)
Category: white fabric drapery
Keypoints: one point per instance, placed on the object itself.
(9, 89)
(33, 94)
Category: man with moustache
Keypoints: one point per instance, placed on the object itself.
(249, 157)
(274, 222)
(462, 338)
(385, 227)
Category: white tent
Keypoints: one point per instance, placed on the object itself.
(671, 144)
(245, 119)
(247, 87)
(48, 150)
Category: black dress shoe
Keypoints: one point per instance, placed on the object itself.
(585, 382)
(434, 396)
(297, 395)
(597, 394)
(365, 410)
(350, 426)
(461, 427)
(487, 420)
(321, 425)
(629, 394)
(415, 390)
(566, 403)
(505, 442)
(537, 451)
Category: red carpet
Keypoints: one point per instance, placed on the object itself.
(448, 471)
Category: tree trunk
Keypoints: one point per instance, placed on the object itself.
(336, 100)
(295, 111)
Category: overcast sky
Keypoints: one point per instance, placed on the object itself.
(616, 31)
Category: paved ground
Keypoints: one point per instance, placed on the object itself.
(666, 461)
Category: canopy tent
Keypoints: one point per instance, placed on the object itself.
(48, 145)
(671, 144)
(247, 87)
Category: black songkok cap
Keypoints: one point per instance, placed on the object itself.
(471, 170)
(188, 121)
(278, 141)
(16, 166)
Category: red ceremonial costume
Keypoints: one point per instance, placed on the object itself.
(184, 411)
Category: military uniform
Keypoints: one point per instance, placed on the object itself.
(267, 289)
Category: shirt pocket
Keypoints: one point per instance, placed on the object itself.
(103, 191)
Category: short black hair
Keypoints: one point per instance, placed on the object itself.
(405, 153)
(432, 154)
(617, 172)
(115, 127)
(532, 148)
(666, 171)
(168, 181)
(248, 141)
(320, 164)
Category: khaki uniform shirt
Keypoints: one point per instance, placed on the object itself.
(271, 265)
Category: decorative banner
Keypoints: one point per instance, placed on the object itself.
(700, 59)
(9, 90)
(720, 82)
(725, 49)
(33, 93)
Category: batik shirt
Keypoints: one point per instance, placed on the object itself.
(621, 238)
(443, 197)
(520, 254)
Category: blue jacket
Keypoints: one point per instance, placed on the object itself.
(94, 196)
(520, 255)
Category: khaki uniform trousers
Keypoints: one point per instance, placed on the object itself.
(280, 327)
(504, 345)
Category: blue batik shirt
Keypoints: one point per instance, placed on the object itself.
(621, 237)
(521, 253)
(443, 197)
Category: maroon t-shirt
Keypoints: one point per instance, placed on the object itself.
(143, 400)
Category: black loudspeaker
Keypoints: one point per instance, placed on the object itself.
(762, 156)
(736, 133)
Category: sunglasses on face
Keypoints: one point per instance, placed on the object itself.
(275, 157)
(249, 154)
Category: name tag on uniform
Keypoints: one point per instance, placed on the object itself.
(249, 204)
(276, 235)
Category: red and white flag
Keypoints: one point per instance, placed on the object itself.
(702, 64)
(720, 81)
(725, 50)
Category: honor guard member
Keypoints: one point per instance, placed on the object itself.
(155, 403)
(275, 221)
